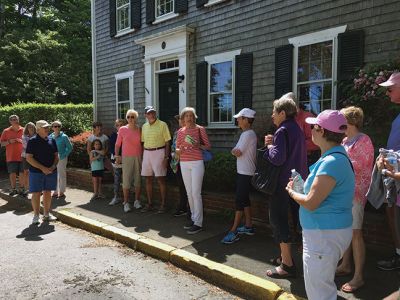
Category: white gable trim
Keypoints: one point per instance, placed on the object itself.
(176, 46)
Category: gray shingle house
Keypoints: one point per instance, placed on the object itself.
(222, 55)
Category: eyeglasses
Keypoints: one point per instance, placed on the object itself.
(56, 126)
(130, 117)
(13, 119)
(316, 126)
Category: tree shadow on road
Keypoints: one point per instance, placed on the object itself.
(34, 232)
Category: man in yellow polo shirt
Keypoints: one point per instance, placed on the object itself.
(155, 139)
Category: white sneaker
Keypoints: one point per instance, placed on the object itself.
(49, 218)
(35, 220)
(114, 201)
(137, 204)
(127, 207)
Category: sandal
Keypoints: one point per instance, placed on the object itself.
(161, 210)
(290, 272)
(348, 288)
(147, 208)
(276, 261)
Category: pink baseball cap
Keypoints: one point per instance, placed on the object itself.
(394, 79)
(332, 120)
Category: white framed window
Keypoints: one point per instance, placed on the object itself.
(123, 16)
(164, 7)
(315, 69)
(124, 93)
(221, 92)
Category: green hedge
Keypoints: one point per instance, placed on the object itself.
(220, 172)
(75, 118)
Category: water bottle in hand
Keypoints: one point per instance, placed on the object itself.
(298, 182)
(391, 157)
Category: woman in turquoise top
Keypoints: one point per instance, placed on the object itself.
(64, 147)
(326, 206)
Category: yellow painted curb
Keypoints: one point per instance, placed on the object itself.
(80, 221)
(154, 248)
(125, 237)
(242, 282)
(287, 296)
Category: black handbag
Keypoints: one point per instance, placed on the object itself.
(266, 176)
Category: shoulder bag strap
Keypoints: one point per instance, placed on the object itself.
(341, 153)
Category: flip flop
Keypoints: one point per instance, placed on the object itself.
(290, 272)
(347, 288)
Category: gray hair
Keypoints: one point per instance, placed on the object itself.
(289, 95)
(186, 110)
(56, 122)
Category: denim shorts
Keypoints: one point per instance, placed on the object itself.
(98, 173)
(14, 167)
(39, 182)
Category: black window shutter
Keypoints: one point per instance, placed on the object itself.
(202, 92)
(283, 70)
(243, 81)
(150, 11)
(113, 18)
(350, 58)
(181, 6)
(200, 3)
(136, 14)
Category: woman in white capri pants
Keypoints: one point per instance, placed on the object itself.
(192, 139)
(64, 148)
(325, 206)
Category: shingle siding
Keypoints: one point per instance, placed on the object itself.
(254, 26)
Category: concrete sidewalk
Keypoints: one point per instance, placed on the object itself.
(251, 254)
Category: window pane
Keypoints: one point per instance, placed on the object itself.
(122, 2)
(164, 7)
(123, 18)
(315, 62)
(315, 97)
(221, 107)
(122, 109)
(221, 77)
(123, 90)
(315, 68)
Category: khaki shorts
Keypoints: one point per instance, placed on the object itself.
(358, 215)
(153, 163)
(131, 166)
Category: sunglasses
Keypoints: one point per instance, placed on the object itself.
(314, 126)
(13, 119)
(56, 126)
(130, 117)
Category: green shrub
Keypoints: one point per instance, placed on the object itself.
(79, 157)
(220, 172)
(75, 118)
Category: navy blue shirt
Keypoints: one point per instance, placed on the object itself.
(43, 151)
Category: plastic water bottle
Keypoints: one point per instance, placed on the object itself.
(392, 160)
(298, 182)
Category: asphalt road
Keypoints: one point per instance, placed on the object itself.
(55, 261)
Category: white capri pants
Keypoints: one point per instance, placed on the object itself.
(62, 175)
(322, 250)
(192, 173)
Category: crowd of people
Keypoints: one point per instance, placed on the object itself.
(328, 151)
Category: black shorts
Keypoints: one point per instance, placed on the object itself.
(243, 184)
(98, 173)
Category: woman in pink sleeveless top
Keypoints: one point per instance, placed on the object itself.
(131, 158)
